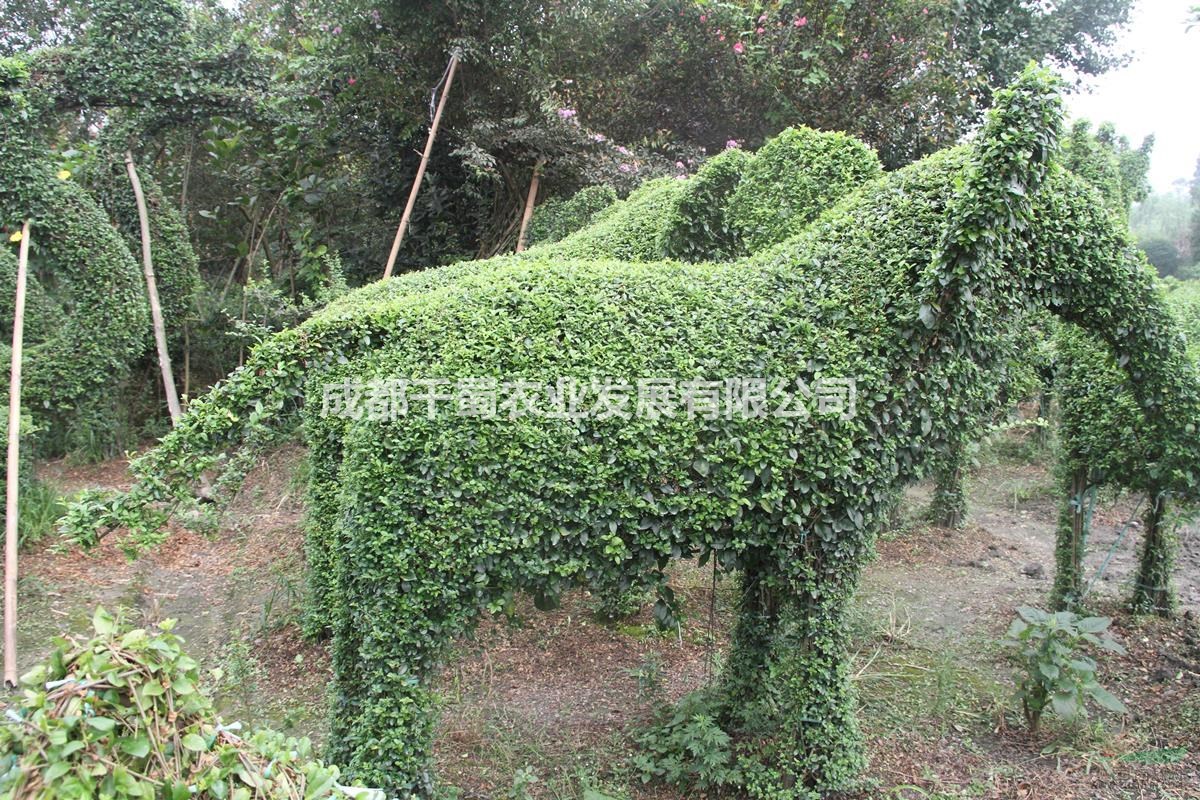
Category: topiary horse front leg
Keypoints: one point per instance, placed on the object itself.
(816, 746)
(743, 677)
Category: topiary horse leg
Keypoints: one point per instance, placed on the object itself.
(385, 652)
(819, 747)
(742, 679)
(1152, 592)
(1072, 534)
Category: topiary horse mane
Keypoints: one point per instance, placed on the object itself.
(418, 523)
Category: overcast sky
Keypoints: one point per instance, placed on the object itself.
(1159, 92)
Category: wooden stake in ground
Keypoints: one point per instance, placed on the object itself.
(416, 187)
(529, 201)
(11, 507)
(160, 331)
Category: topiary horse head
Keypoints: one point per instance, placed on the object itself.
(889, 307)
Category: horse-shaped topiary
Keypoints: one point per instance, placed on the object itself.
(813, 381)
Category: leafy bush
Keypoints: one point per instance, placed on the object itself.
(701, 229)
(792, 179)
(124, 715)
(910, 286)
(1054, 673)
(556, 218)
(631, 230)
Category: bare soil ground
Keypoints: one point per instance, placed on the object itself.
(559, 692)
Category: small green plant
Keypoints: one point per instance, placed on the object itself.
(1053, 671)
(40, 509)
(649, 677)
(124, 715)
(688, 748)
(523, 782)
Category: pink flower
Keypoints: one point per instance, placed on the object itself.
(679, 165)
(721, 37)
(625, 168)
(864, 55)
(739, 48)
(800, 22)
(623, 150)
(732, 144)
(924, 10)
(760, 29)
(352, 81)
(704, 17)
(337, 31)
(566, 113)
(763, 18)
(599, 137)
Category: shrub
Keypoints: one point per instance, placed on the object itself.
(792, 179)
(701, 228)
(556, 218)
(909, 286)
(124, 715)
(1054, 673)
(631, 230)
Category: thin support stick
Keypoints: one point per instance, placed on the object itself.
(160, 330)
(12, 490)
(416, 187)
(529, 201)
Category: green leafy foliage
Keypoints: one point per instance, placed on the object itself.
(124, 715)
(1053, 673)
(792, 179)
(702, 229)
(556, 218)
(911, 284)
(632, 230)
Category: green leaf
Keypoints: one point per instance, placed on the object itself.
(1093, 624)
(1106, 699)
(194, 742)
(102, 724)
(103, 623)
(138, 747)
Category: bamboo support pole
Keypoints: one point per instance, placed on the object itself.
(11, 505)
(160, 330)
(529, 201)
(416, 187)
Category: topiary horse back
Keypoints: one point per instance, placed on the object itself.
(420, 523)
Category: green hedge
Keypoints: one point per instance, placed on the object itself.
(792, 179)
(557, 217)
(631, 230)
(176, 269)
(909, 285)
(701, 229)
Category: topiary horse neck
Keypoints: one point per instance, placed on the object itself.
(900, 298)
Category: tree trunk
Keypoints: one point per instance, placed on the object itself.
(1072, 541)
(160, 331)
